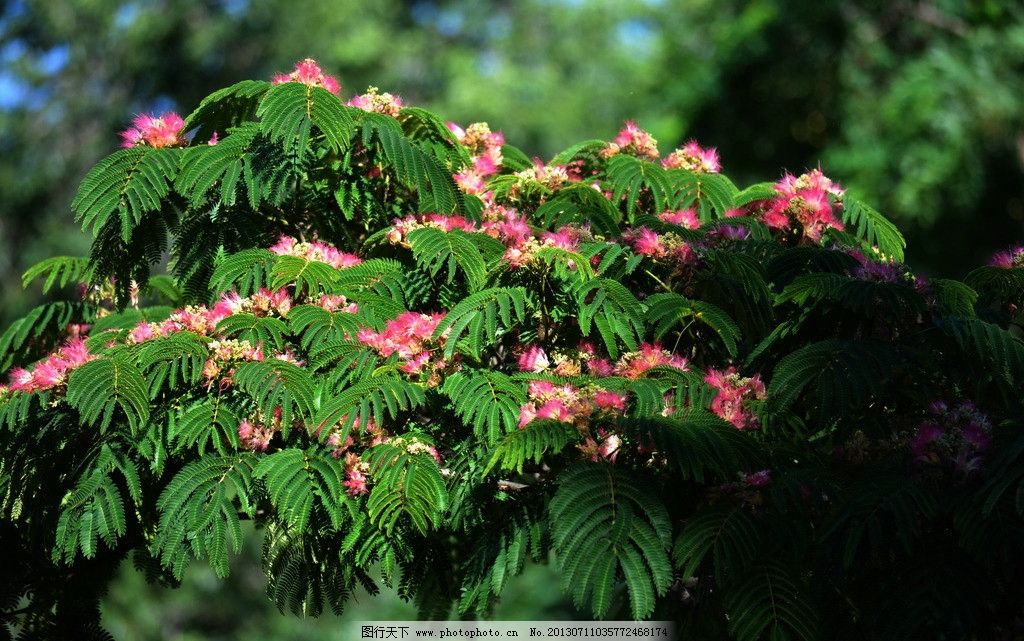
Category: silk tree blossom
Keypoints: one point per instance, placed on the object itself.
(956, 437)
(1009, 259)
(254, 436)
(402, 227)
(812, 199)
(760, 478)
(53, 370)
(686, 218)
(634, 365)
(667, 247)
(308, 72)
(336, 303)
(605, 445)
(553, 177)
(486, 158)
(735, 395)
(164, 130)
(880, 272)
(355, 475)
(533, 360)
(314, 251)
(376, 102)
(634, 141)
(411, 337)
(524, 252)
(693, 157)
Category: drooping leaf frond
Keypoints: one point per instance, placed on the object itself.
(609, 526)
(129, 183)
(199, 512)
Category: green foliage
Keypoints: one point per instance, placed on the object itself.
(608, 526)
(405, 484)
(199, 511)
(289, 111)
(487, 401)
(129, 183)
(97, 388)
(297, 481)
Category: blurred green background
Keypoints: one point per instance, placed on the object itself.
(917, 106)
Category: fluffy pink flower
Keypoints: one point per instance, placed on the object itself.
(650, 355)
(758, 479)
(1008, 259)
(608, 400)
(255, 437)
(646, 242)
(812, 199)
(534, 360)
(355, 483)
(632, 140)
(308, 72)
(683, 217)
(693, 157)
(734, 393)
(527, 413)
(21, 380)
(376, 102)
(554, 410)
(155, 131)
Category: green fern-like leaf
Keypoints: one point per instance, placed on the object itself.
(607, 523)
(95, 509)
(246, 271)
(404, 484)
(572, 152)
(483, 316)
(128, 183)
(296, 479)
(46, 321)
(172, 360)
(579, 204)
(771, 603)
(227, 164)
(711, 194)
(616, 313)
(226, 108)
(309, 276)
(256, 329)
(371, 398)
(728, 533)
(840, 373)
(754, 193)
(632, 179)
(998, 282)
(276, 384)
(58, 272)
(873, 228)
(531, 442)
(301, 577)
(435, 188)
(199, 512)
(318, 327)
(488, 401)
(429, 130)
(668, 310)
(435, 249)
(288, 112)
(210, 423)
(697, 444)
(1000, 352)
(98, 387)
